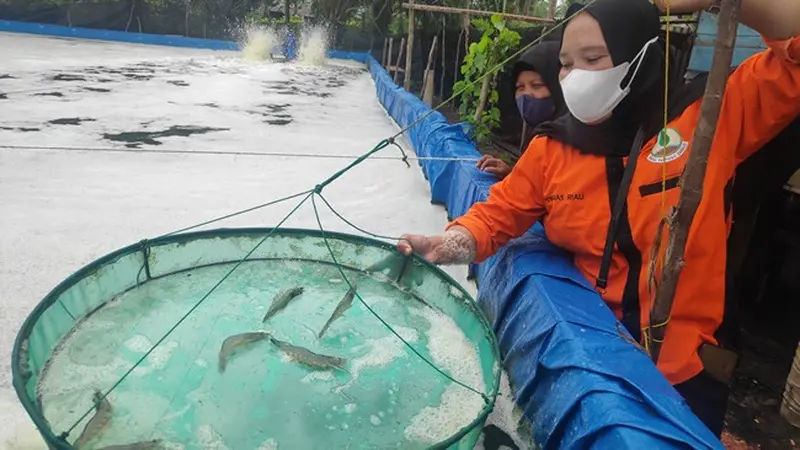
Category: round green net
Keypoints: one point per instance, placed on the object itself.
(164, 345)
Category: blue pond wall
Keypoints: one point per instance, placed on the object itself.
(576, 379)
(118, 36)
(140, 38)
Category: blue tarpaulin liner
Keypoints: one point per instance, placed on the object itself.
(574, 376)
(143, 38)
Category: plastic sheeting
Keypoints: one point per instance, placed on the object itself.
(117, 36)
(579, 382)
(141, 38)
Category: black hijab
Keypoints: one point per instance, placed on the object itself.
(572, 9)
(543, 59)
(627, 25)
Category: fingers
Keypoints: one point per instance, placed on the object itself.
(496, 164)
(404, 244)
(483, 159)
(499, 172)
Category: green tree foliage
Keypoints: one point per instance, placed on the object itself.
(479, 100)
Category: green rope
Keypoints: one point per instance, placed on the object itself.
(237, 213)
(188, 313)
(368, 233)
(377, 316)
(380, 146)
(166, 151)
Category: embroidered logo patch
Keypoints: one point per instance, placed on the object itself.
(669, 147)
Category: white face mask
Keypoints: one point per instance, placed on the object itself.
(591, 95)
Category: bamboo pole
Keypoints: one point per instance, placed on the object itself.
(551, 9)
(397, 62)
(466, 23)
(790, 408)
(456, 70)
(427, 95)
(411, 6)
(428, 72)
(691, 182)
(482, 99)
(409, 47)
(462, 35)
(444, 62)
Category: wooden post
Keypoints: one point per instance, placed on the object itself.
(456, 70)
(410, 47)
(383, 52)
(790, 408)
(444, 65)
(465, 24)
(389, 54)
(399, 57)
(464, 34)
(551, 9)
(427, 96)
(428, 72)
(691, 182)
(483, 97)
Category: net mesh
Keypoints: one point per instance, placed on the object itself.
(91, 334)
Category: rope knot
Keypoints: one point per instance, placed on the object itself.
(390, 141)
(318, 189)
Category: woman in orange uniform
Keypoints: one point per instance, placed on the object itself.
(612, 79)
(538, 96)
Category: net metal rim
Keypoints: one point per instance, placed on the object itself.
(54, 442)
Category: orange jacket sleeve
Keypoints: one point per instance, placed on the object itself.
(513, 206)
(762, 97)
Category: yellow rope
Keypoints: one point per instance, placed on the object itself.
(663, 141)
(660, 325)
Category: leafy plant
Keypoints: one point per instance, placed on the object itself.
(479, 101)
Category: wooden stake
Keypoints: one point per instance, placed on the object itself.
(427, 89)
(428, 66)
(456, 69)
(482, 99)
(551, 10)
(389, 54)
(397, 68)
(466, 23)
(409, 47)
(444, 65)
(383, 52)
(691, 182)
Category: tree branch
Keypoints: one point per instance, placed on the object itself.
(681, 217)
